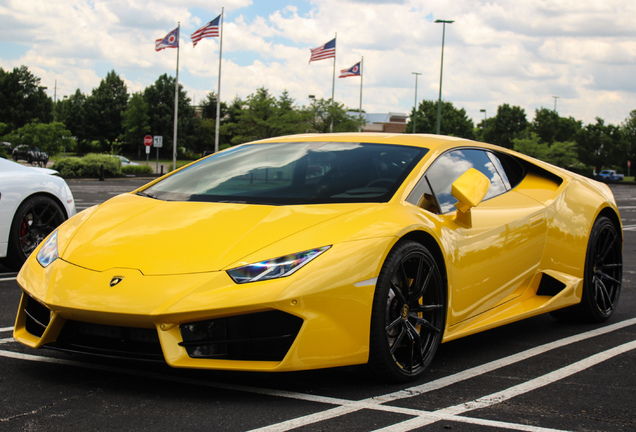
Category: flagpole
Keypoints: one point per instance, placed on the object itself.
(176, 107)
(333, 81)
(360, 109)
(218, 92)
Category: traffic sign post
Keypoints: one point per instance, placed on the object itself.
(147, 143)
(157, 142)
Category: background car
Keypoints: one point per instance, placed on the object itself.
(33, 202)
(324, 250)
(124, 160)
(32, 155)
(610, 176)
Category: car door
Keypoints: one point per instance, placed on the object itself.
(491, 260)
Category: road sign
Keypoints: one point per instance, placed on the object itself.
(147, 140)
(158, 141)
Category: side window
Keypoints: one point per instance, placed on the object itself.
(448, 167)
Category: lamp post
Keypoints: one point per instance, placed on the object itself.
(485, 116)
(441, 69)
(415, 103)
(555, 101)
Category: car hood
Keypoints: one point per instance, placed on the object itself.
(10, 166)
(162, 237)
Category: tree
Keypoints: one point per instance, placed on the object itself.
(135, 124)
(160, 100)
(600, 145)
(562, 154)
(71, 112)
(208, 107)
(550, 127)
(508, 124)
(104, 109)
(322, 114)
(49, 137)
(264, 116)
(454, 122)
(628, 130)
(23, 99)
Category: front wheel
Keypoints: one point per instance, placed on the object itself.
(409, 314)
(602, 278)
(36, 218)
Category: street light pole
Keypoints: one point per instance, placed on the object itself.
(441, 69)
(415, 103)
(485, 116)
(555, 101)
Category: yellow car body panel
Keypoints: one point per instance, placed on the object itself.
(175, 272)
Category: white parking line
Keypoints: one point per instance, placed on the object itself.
(504, 395)
(345, 406)
(373, 403)
(8, 279)
(6, 329)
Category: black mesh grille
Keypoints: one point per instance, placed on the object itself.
(263, 336)
(38, 317)
(111, 341)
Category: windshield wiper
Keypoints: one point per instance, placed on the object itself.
(147, 194)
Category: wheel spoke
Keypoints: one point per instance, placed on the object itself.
(416, 356)
(398, 292)
(422, 289)
(394, 324)
(426, 308)
(607, 246)
(602, 296)
(425, 323)
(398, 340)
(602, 275)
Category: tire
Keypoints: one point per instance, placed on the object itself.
(35, 218)
(409, 314)
(602, 277)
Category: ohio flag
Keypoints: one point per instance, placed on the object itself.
(170, 41)
(352, 71)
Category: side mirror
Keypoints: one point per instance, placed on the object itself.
(470, 189)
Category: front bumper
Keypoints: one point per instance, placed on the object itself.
(319, 317)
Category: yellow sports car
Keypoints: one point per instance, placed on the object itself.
(314, 251)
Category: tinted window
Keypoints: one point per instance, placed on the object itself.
(448, 167)
(293, 173)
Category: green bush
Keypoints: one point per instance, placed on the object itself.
(89, 166)
(93, 164)
(137, 169)
(69, 167)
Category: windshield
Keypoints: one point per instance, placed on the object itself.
(293, 173)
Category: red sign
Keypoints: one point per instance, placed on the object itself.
(629, 163)
(147, 140)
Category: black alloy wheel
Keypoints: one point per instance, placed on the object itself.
(35, 219)
(409, 314)
(602, 278)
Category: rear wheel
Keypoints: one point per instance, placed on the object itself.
(36, 218)
(602, 277)
(409, 313)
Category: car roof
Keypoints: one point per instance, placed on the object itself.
(432, 142)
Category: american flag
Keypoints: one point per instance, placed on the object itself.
(352, 71)
(325, 51)
(170, 41)
(211, 29)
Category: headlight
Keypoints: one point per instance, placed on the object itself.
(48, 251)
(274, 268)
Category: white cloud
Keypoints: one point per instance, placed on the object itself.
(519, 52)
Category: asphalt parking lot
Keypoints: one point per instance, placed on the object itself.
(534, 375)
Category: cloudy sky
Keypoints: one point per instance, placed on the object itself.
(520, 52)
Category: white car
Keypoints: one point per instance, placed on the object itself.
(33, 202)
(125, 161)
